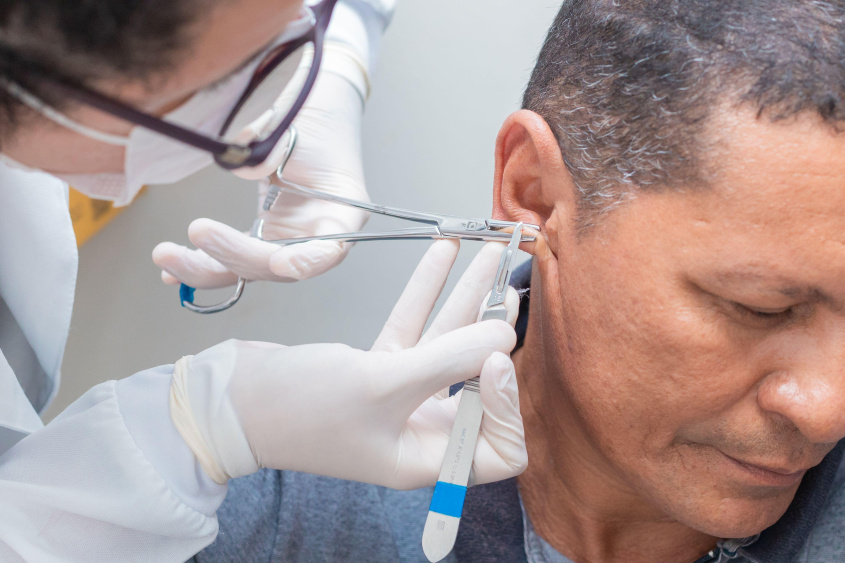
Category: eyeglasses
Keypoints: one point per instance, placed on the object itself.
(299, 58)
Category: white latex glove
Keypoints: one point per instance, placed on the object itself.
(363, 415)
(327, 158)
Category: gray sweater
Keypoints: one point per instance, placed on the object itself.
(278, 516)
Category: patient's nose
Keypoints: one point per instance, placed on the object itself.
(813, 404)
(810, 389)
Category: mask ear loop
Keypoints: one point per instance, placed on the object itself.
(29, 99)
(186, 292)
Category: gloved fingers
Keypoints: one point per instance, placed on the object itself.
(242, 254)
(327, 158)
(461, 308)
(273, 160)
(407, 320)
(330, 118)
(420, 450)
(303, 261)
(511, 305)
(421, 371)
(296, 215)
(264, 125)
(500, 452)
(169, 279)
(192, 267)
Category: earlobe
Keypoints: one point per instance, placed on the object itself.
(532, 183)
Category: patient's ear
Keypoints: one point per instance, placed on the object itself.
(532, 183)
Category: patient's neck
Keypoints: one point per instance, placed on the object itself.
(573, 497)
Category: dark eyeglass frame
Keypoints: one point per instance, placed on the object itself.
(227, 155)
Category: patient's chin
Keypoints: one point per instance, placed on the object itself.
(733, 516)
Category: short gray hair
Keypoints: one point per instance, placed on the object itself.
(627, 86)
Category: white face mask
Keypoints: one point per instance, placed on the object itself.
(151, 158)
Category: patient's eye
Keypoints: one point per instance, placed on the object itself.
(762, 315)
(756, 308)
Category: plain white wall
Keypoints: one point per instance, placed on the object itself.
(450, 72)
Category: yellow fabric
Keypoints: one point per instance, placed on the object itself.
(90, 215)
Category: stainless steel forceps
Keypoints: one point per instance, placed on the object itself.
(437, 226)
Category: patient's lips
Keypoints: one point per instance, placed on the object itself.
(767, 473)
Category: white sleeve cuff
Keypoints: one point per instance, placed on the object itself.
(144, 401)
(202, 412)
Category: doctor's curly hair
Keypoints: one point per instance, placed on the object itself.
(627, 86)
(80, 41)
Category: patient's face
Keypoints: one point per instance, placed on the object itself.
(699, 337)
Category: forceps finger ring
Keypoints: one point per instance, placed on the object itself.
(186, 292)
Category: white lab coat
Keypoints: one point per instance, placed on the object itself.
(110, 478)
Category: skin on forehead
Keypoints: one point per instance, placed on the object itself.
(229, 34)
(223, 38)
(690, 332)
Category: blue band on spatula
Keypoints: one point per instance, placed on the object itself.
(448, 499)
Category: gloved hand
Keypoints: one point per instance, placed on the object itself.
(327, 158)
(363, 415)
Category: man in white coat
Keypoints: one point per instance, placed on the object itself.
(135, 469)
